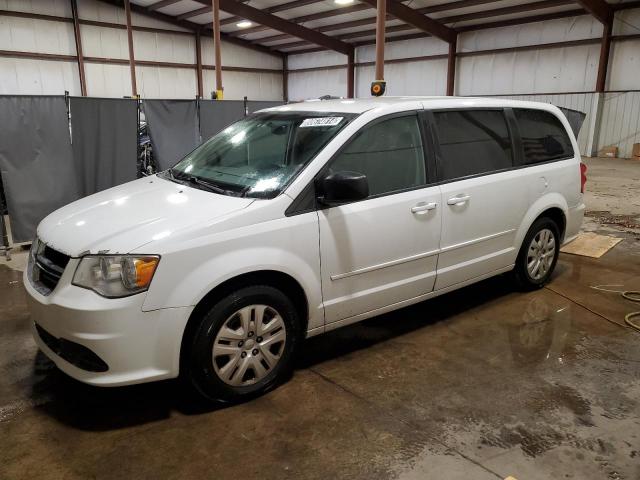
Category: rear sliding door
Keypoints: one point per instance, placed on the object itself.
(483, 198)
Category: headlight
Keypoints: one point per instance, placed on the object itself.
(116, 275)
(35, 247)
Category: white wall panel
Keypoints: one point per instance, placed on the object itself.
(102, 12)
(428, 77)
(163, 82)
(21, 76)
(550, 31)
(59, 8)
(238, 56)
(316, 59)
(164, 47)
(237, 85)
(32, 35)
(627, 22)
(404, 49)
(620, 124)
(305, 85)
(624, 66)
(568, 69)
(104, 42)
(107, 80)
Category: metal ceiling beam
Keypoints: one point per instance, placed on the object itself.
(370, 20)
(272, 21)
(194, 13)
(467, 28)
(309, 18)
(445, 20)
(276, 8)
(417, 20)
(600, 9)
(186, 24)
(234, 19)
(520, 21)
(161, 4)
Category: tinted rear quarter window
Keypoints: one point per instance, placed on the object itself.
(472, 142)
(544, 138)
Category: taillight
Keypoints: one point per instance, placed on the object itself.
(583, 176)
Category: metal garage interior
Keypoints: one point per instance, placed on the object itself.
(482, 383)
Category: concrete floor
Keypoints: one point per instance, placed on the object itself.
(483, 383)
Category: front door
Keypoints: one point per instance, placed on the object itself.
(384, 249)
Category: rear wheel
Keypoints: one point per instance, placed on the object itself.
(538, 255)
(244, 345)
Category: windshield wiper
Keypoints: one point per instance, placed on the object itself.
(198, 182)
(207, 186)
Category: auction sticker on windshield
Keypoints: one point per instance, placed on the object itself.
(321, 122)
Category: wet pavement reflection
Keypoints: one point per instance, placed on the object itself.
(481, 383)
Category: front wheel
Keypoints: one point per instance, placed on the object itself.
(538, 255)
(244, 345)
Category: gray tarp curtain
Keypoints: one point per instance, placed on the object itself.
(104, 135)
(255, 105)
(35, 159)
(215, 115)
(173, 127)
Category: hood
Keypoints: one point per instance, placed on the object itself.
(128, 216)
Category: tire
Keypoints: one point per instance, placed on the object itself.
(230, 357)
(546, 231)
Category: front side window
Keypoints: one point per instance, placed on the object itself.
(544, 138)
(389, 153)
(472, 142)
(259, 155)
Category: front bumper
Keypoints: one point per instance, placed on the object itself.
(136, 346)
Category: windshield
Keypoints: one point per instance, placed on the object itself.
(259, 155)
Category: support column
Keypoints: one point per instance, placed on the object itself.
(350, 75)
(132, 62)
(381, 18)
(451, 66)
(603, 64)
(199, 63)
(216, 47)
(76, 32)
(285, 78)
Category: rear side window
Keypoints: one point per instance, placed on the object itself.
(544, 138)
(472, 142)
(389, 153)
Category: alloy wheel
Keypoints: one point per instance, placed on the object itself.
(541, 253)
(249, 345)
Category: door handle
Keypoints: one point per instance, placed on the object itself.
(423, 207)
(458, 200)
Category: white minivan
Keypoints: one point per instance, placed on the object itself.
(294, 221)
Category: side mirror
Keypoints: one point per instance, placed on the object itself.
(343, 187)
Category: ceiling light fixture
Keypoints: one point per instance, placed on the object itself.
(244, 24)
(343, 2)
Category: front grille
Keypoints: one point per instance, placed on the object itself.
(47, 267)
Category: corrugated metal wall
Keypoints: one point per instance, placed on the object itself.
(27, 76)
(620, 124)
(543, 74)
